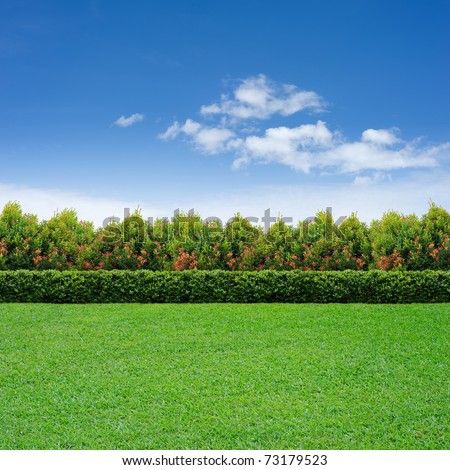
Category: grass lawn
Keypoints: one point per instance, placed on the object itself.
(224, 376)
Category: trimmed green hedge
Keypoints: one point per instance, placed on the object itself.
(224, 286)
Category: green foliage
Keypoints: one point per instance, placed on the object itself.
(397, 242)
(239, 231)
(19, 238)
(436, 238)
(436, 225)
(355, 234)
(295, 286)
(322, 227)
(63, 237)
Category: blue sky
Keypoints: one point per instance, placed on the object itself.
(225, 106)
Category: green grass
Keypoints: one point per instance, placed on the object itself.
(231, 376)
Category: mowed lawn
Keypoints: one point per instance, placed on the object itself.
(224, 376)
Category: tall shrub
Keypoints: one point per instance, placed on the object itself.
(20, 238)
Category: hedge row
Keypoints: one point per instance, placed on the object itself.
(396, 242)
(224, 286)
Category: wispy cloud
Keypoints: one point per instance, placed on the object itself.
(128, 121)
(210, 140)
(46, 201)
(314, 146)
(376, 177)
(406, 193)
(409, 192)
(260, 98)
(306, 147)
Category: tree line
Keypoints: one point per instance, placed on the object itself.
(394, 242)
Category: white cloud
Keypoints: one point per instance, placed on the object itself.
(171, 132)
(260, 98)
(191, 127)
(210, 140)
(376, 177)
(380, 136)
(128, 121)
(379, 150)
(306, 147)
(288, 146)
(314, 146)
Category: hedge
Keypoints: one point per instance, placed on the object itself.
(224, 286)
(396, 242)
